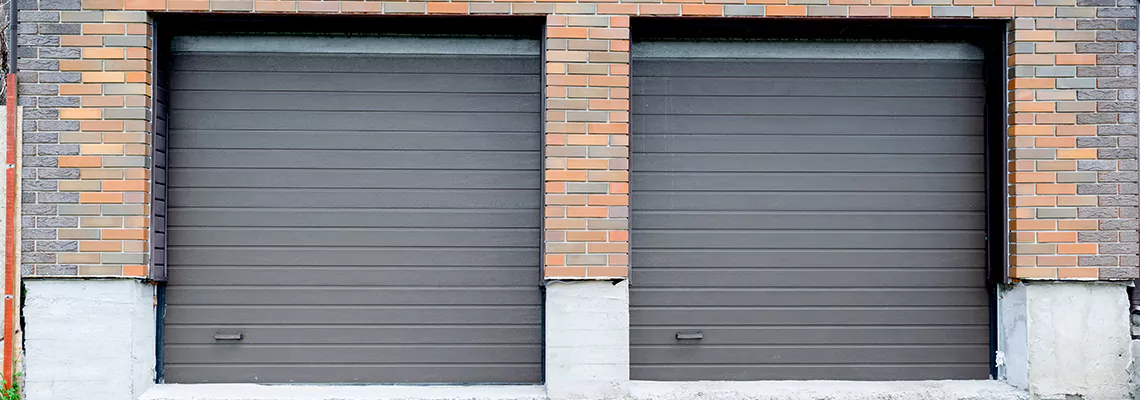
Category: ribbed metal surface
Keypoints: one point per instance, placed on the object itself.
(358, 218)
(811, 218)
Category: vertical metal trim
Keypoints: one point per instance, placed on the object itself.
(155, 273)
(542, 198)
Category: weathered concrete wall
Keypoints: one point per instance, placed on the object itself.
(89, 339)
(587, 339)
(1061, 340)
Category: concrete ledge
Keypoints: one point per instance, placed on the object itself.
(830, 390)
(249, 391)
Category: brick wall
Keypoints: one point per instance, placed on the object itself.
(86, 86)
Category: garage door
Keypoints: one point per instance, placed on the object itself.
(354, 210)
(808, 211)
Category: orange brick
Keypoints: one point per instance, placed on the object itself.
(1076, 248)
(1056, 165)
(619, 188)
(104, 77)
(910, 11)
(100, 198)
(611, 9)
(564, 223)
(568, 272)
(80, 161)
(608, 33)
(1076, 130)
(702, 9)
(557, 32)
(585, 236)
(1057, 189)
(1024, 213)
(1031, 130)
(1031, 83)
(135, 270)
(560, 175)
(993, 12)
(125, 186)
(79, 89)
(599, 271)
(868, 11)
(619, 236)
(608, 176)
(101, 149)
(1032, 59)
(136, 222)
(80, 113)
(608, 200)
(104, 29)
(289, 6)
(1032, 177)
(1056, 118)
(587, 212)
(1076, 59)
(1056, 142)
(786, 11)
(1022, 261)
(1077, 225)
(1084, 154)
(1057, 237)
(446, 8)
(1033, 201)
(1076, 201)
(100, 245)
(610, 129)
(555, 259)
(124, 234)
(1078, 273)
(609, 81)
(188, 5)
(1031, 36)
(1032, 225)
(602, 104)
(80, 41)
(587, 140)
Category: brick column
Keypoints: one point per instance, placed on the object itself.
(587, 144)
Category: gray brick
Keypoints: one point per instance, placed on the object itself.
(37, 258)
(60, 77)
(1097, 188)
(1076, 12)
(1128, 237)
(57, 270)
(1127, 94)
(1119, 224)
(1116, 36)
(1023, 48)
(1092, 94)
(29, 197)
(1095, 24)
(60, 52)
(121, 258)
(57, 222)
(1076, 83)
(41, 113)
(1096, 72)
(1129, 188)
(57, 173)
(35, 185)
(1076, 177)
(39, 65)
(1023, 72)
(77, 209)
(1096, 47)
(37, 40)
(57, 245)
(1126, 71)
(60, 5)
(62, 126)
(1096, 165)
(58, 29)
(1116, 59)
(58, 149)
(744, 10)
(577, 187)
(34, 89)
(39, 209)
(37, 233)
(1129, 212)
(1128, 141)
(1119, 273)
(950, 12)
(1115, 83)
(58, 101)
(1097, 237)
(1118, 177)
(83, 16)
(1098, 118)
(1114, 12)
(1127, 118)
(1097, 141)
(27, 245)
(1055, 71)
(1126, 47)
(1109, 154)
(1116, 130)
(1098, 212)
(1096, 261)
(40, 161)
(1115, 106)
(50, 198)
(41, 137)
(1128, 260)
(1056, 212)
(125, 41)
(1119, 248)
(39, 16)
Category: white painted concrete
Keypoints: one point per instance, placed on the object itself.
(829, 390)
(587, 339)
(1066, 340)
(88, 339)
(249, 391)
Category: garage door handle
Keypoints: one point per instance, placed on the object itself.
(690, 336)
(228, 336)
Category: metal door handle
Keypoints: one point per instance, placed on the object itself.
(228, 336)
(690, 336)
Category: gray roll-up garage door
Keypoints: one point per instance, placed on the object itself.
(812, 210)
(357, 209)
